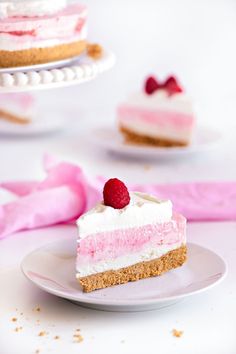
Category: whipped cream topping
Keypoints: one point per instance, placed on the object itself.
(161, 100)
(30, 8)
(143, 209)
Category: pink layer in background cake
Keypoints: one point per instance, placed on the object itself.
(55, 33)
(140, 240)
(161, 115)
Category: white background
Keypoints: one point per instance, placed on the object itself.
(194, 40)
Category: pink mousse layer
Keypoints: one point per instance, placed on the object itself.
(162, 118)
(63, 24)
(110, 245)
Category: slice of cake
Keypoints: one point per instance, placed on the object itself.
(127, 237)
(17, 108)
(161, 115)
(35, 32)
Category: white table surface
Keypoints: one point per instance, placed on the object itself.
(208, 320)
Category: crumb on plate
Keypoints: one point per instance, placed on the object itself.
(37, 309)
(177, 333)
(18, 329)
(78, 338)
(42, 333)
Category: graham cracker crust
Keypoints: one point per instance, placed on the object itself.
(33, 56)
(142, 270)
(13, 118)
(137, 139)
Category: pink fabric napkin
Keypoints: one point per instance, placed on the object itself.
(66, 193)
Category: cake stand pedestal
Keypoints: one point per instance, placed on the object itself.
(54, 75)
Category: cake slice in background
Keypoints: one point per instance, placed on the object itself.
(127, 237)
(17, 108)
(160, 115)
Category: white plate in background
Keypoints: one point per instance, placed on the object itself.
(110, 139)
(45, 122)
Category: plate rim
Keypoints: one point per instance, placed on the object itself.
(132, 149)
(125, 303)
(55, 122)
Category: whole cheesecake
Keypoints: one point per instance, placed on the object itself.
(128, 237)
(40, 31)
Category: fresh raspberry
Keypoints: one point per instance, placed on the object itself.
(115, 194)
(172, 86)
(151, 85)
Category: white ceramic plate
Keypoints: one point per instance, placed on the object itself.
(45, 123)
(109, 138)
(52, 268)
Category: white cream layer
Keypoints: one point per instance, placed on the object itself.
(143, 209)
(155, 131)
(126, 260)
(12, 43)
(160, 100)
(30, 8)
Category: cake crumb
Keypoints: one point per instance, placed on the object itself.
(177, 333)
(94, 51)
(21, 314)
(147, 167)
(57, 337)
(42, 333)
(37, 309)
(18, 329)
(78, 338)
(14, 319)
(37, 351)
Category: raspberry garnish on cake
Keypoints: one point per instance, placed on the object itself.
(161, 115)
(127, 237)
(40, 31)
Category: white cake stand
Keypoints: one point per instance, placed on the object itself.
(57, 74)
